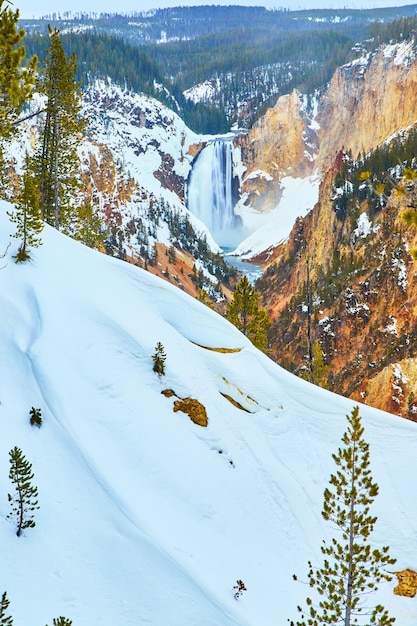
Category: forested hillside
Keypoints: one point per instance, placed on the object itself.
(215, 66)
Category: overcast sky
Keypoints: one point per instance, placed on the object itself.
(34, 8)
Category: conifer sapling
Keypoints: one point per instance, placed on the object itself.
(62, 621)
(352, 568)
(5, 620)
(159, 358)
(35, 417)
(24, 502)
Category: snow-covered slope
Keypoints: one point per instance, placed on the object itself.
(145, 517)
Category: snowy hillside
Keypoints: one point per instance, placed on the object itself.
(145, 517)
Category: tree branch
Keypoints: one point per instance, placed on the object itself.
(28, 117)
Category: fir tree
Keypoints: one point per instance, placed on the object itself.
(62, 621)
(247, 314)
(56, 159)
(351, 568)
(16, 82)
(5, 620)
(24, 502)
(27, 215)
(159, 358)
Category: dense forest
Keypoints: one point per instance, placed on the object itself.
(246, 57)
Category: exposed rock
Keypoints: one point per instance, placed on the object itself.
(274, 147)
(168, 177)
(169, 393)
(365, 303)
(367, 101)
(407, 583)
(194, 409)
(195, 149)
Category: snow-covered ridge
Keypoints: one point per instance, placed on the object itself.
(145, 517)
(140, 130)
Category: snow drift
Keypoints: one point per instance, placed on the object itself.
(145, 517)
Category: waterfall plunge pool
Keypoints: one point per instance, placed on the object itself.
(251, 270)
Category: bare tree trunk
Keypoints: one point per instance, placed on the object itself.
(309, 313)
(56, 200)
(350, 573)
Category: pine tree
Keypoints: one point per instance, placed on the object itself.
(62, 621)
(159, 358)
(247, 314)
(16, 82)
(317, 371)
(24, 502)
(27, 215)
(56, 159)
(5, 620)
(87, 227)
(351, 568)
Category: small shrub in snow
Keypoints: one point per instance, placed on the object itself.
(35, 417)
(5, 620)
(159, 358)
(239, 588)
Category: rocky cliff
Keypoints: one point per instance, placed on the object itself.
(280, 144)
(352, 275)
(367, 101)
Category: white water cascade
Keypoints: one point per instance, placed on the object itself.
(210, 192)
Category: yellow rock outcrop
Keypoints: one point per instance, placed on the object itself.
(407, 583)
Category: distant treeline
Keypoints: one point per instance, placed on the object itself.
(250, 54)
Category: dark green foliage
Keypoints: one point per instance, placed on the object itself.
(62, 621)
(35, 417)
(27, 214)
(87, 227)
(159, 358)
(24, 502)
(182, 237)
(239, 588)
(351, 568)
(56, 160)
(253, 53)
(318, 371)
(5, 620)
(372, 178)
(16, 82)
(248, 315)
(392, 31)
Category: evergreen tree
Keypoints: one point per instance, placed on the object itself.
(87, 227)
(35, 417)
(247, 314)
(56, 159)
(5, 620)
(16, 82)
(27, 215)
(317, 371)
(62, 621)
(24, 502)
(159, 358)
(351, 569)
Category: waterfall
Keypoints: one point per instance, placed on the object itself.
(210, 192)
